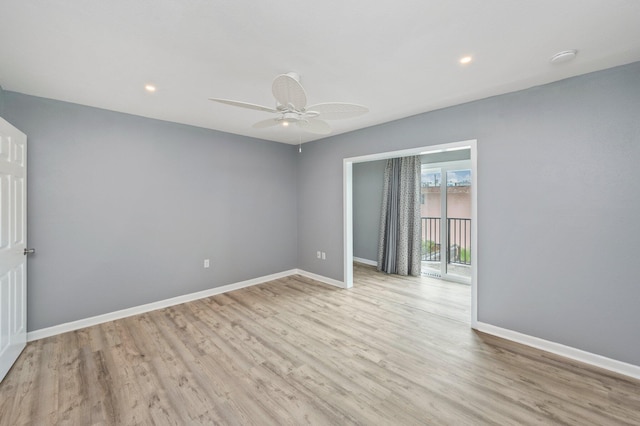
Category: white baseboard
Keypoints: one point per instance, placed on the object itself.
(99, 319)
(545, 345)
(321, 278)
(562, 350)
(365, 261)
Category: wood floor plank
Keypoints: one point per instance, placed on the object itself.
(25, 385)
(44, 407)
(391, 350)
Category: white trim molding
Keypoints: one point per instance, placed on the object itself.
(365, 261)
(111, 316)
(535, 342)
(347, 221)
(141, 309)
(321, 278)
(562, 350)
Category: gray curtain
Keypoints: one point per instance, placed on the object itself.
(399, 246)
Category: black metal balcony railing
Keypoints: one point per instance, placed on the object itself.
(458, 247)
(431, 239)
(459, 240)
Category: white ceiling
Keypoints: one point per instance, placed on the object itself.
(399, 58)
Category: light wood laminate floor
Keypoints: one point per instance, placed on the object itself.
(390, 351)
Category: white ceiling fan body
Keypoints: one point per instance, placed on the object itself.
(291, 107)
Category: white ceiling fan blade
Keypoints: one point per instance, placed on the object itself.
(244, 105)
(287, 90)
(337, 110)
(266, 123)
(316, 126)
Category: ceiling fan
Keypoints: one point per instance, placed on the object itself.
(291, 107)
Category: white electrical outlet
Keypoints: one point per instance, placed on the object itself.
(319, 254)
(206, 263)
(324, 256)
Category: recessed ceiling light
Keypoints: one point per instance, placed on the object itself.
(150, 88)
(564, 56)
(465, 60)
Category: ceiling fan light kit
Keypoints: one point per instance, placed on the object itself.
(291, 107)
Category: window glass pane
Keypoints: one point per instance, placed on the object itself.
(459, 222)
(431, 212)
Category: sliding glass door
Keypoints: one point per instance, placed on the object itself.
(446, 220)
(431, 212)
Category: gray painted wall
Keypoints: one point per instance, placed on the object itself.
(558, 206)
(443, 157)
(1, 102)
(367, 184)
(367, 200)
(122, 210)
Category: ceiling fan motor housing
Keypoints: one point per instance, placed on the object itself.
(290, 117)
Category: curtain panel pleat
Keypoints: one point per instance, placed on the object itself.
(400, 233)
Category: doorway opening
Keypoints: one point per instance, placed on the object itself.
(470, 247)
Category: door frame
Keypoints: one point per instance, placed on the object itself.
(347, 175)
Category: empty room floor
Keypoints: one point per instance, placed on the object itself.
(390, 351)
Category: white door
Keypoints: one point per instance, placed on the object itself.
(13, 238)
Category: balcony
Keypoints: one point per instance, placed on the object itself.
(457, 246)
